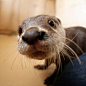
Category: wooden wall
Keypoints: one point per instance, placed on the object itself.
(71, 12)
(13, 12)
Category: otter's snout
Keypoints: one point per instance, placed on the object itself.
(30, 37)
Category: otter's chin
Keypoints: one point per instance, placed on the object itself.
(39, 55)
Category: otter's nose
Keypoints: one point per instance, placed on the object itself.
(31, 37)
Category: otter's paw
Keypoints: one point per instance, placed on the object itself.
(40, 67)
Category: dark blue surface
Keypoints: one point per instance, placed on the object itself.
(73, 76)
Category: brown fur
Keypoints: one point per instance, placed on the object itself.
(58, 45)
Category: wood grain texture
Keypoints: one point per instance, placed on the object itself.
(13, 12)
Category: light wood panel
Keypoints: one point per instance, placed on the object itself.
(13, 12)
(71, 12)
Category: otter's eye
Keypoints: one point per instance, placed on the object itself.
(51, 23)
(20, 31)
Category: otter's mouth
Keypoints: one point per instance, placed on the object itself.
(33, 43)
(38, 55)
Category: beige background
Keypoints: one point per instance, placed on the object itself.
(13, 12)
(71, 12)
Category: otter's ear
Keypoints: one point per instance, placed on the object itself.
(59, 20)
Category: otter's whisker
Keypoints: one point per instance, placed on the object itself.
(58, 58)
(20, 59)
(28, 62)
(59, 62)
(24, 62)
(7, 50)
(75, 44)
(8, 57)
(73, 52)
(68, 49)
(72, 38)
(14, 60)
(28, 59)
(65, 53)
(69, 40)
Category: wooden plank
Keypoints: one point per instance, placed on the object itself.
(71, 12)
(50, 7)
(13, 12)
(8, 32)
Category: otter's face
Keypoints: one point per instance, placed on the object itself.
(40, 37)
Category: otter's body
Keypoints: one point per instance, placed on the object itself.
(43, 37)
(79, 35)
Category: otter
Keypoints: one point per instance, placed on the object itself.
(43, 37)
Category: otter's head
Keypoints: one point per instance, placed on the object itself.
(40, 37)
